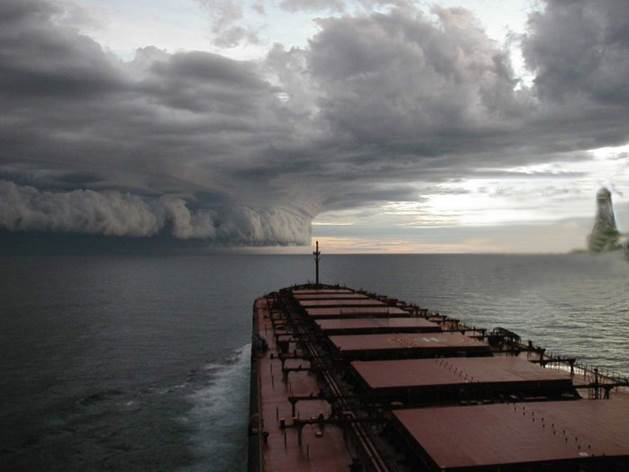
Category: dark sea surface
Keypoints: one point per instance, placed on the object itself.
(141, 363)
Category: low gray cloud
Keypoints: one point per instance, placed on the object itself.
(197, 145)
(25, 208)
(113, 213)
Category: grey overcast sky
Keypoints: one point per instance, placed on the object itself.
(372, 125)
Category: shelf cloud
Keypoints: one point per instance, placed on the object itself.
(196, 145)
(113, 213)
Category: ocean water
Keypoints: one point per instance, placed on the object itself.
(141, 363)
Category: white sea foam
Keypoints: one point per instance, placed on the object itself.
(220, 415)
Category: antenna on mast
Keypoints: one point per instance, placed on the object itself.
(316, 255)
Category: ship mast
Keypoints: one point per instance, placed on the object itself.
(316, 255)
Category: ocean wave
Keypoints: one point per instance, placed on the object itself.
(219, 415)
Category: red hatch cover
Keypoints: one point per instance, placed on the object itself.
(330, 296)
(421, 373)
(356, 312)
(471, 437)
(327, 291)
(376, 325)
(413, 344)
(341, 302)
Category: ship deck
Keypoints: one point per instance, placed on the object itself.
(351, 381)
(321, 449)
(376, 325)
(330, 296)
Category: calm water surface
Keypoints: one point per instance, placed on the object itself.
(141, 363)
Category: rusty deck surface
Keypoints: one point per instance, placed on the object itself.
(331, 302)
(281, 451)
(326, 291)
(454, 438)
(330, 296)
(416, 345)
(408, 373)
(376, 325)
(357, 312)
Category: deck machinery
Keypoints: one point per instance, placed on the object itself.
(345, 380)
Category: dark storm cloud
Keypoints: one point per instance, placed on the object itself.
(81, 120)
(39, 60)
(579, 50)
(415, 88)
(197, 145)
(405, 83)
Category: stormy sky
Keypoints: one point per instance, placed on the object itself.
(373, 125)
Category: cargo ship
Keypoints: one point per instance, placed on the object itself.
(347, 380)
